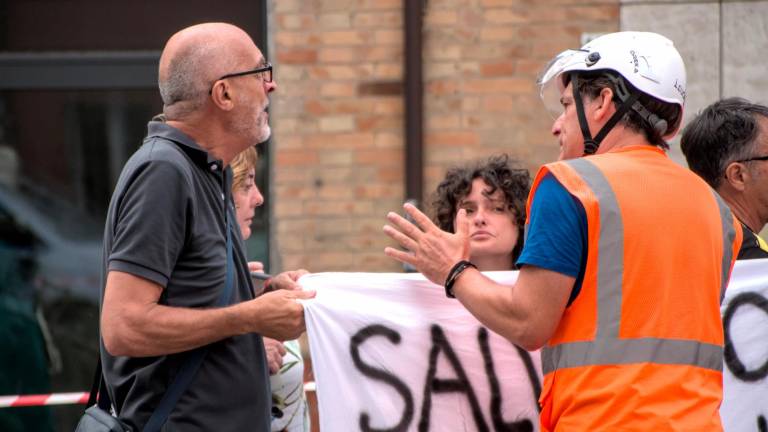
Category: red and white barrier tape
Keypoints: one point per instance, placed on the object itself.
(80, 398)
(44, 399)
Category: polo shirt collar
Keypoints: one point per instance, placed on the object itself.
(199, 156)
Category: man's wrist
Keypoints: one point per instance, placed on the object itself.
(240, 315)
(454, 274)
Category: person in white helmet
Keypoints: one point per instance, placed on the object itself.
(626, 310)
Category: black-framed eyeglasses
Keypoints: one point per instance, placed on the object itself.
(759, 158)
(265, 74)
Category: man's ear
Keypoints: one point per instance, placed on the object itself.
(736, 175)
(221, 95)
(603, 105)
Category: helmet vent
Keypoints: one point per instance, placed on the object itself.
(592, 58)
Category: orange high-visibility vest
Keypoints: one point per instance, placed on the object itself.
(641, 346)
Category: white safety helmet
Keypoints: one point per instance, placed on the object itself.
(648, 61)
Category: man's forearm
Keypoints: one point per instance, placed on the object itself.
(134, 324)
(527, 313)
(159, 330)
(492, 304)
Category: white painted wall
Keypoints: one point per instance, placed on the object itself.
(724, 45)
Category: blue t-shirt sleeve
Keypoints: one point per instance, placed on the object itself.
(556, 238)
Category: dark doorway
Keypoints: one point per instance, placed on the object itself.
(78, 83)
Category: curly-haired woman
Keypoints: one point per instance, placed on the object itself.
(493, 192)
(286, 365)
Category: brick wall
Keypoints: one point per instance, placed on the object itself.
(338, 111)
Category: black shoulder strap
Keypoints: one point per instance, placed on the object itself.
(195, 357)
(99, 392)
(592, 144)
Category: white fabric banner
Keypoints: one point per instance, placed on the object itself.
(391, 353)
(745, 373)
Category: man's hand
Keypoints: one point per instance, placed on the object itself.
(431, 251)
(287, 280)
(275, 352)
(276, 314)
(134, 324)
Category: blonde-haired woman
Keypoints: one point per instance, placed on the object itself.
(289, 408)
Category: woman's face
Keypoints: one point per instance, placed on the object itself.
(492, 231)
(247, 198)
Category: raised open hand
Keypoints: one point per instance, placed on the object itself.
(430, 250)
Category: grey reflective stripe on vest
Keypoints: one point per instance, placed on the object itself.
(729, 234)
(607, 348)
(626, 351)
(610, 247)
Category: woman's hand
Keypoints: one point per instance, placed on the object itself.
(275, 352)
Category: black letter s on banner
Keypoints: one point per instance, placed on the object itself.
(381, 375)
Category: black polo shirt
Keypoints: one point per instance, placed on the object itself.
(166, 223)
(750, 245)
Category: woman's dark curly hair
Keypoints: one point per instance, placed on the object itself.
(498, 172)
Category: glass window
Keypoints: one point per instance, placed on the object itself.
(78, 85)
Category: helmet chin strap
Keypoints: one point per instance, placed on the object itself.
(592, 144)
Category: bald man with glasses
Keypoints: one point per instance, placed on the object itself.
(727, 146)
(181, 328)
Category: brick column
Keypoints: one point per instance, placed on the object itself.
(338, 113)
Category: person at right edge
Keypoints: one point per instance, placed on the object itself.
(627, 312)
(727, 146)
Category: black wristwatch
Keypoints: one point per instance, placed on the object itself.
(454, 274)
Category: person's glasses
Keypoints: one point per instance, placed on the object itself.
(759, 158)
(264, 73)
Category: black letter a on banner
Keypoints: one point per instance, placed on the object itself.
(460, 384)
(522, 425)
